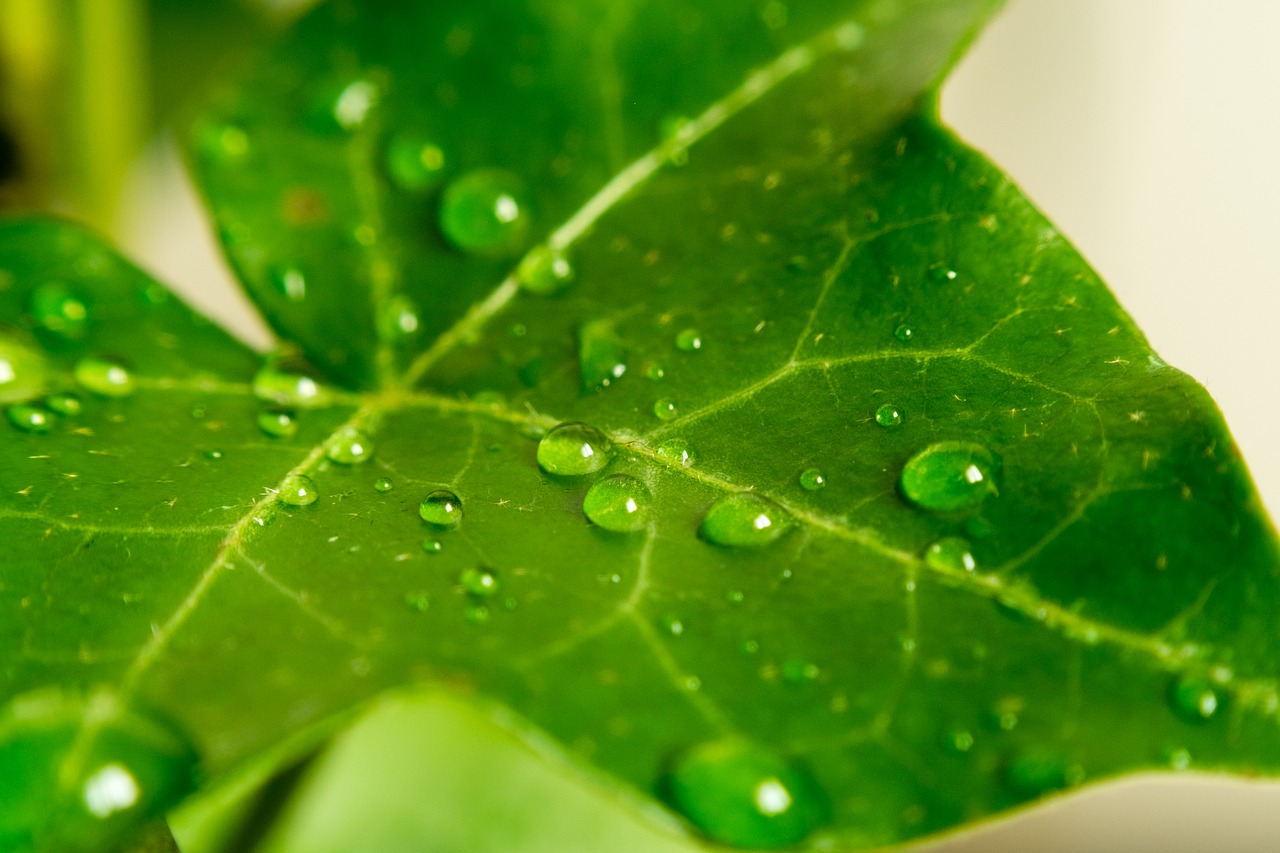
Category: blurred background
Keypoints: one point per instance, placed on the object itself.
(1148, 130)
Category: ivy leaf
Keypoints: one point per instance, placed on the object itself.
(833, 502)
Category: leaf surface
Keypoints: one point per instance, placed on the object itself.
(814, 291)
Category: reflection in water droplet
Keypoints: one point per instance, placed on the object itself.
(1195, 699)
(601, 355)
(350, 446)
(813, 480)
(690, 340)
(484, 213)
(574, 449)
(441, 508)
(383, 484)
(277, 424)
(666, 409)
(30, 418)
(104, 377)
(904, 333)
(482, 583)
(57, 310)
(619, 504)
(889, 416)
(289, 282)
(677, 450)
(950, 476)
(951, 554)
(545, 271)
(745, 795)
(413, 162)
(745, 520)
(68, 405)
(298, 490)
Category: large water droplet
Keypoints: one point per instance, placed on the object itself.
(601, 356)
(484, 213)
(545, 271)
(813, 480)
(744, 795)
(104, 377)
(23, 371)
(480, 582)
(30, 418)
(441, 508)
(413, 162)
(350, 446)
(951, 554)
(1196, 700)
(619, 504)
(298, 490)
(950, 476)
(677, 451)
(745, 520)
(57, 310)
(290, 282)
(277, 424)
(574, 449)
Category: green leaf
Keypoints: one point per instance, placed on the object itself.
(917, 528)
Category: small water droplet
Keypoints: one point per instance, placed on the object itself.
(441, 508)
(813, 480)
(942, 273)
(950, 476)
(904, 333)
(383, 484)
(677, 450)
(958, 740)
(400, 318)
(665, 409)
(66, 404)
(298, 490)
(749, 647)
(1178, 758)
(745, 520)
(744, 795)
(798, 671)
(104, 377)
(655, 372)
(419, 602)
(889, 416)
(432, 547)
(30, 418)
(573, 450)
(477, 614)
(413, 162)
(1195, 699)
(484, 213)
(350, 446)
(689, 340)
(287, 387)
(619, 504)
(951, 554)
(545, 271)
(58, 311)
(345, 106)
(601, 354)
(735, 596)
(290, 282)
(480, 582)
(277, 423)
(213, 455)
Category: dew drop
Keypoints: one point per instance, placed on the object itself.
(276, 423)
(677, 451)
(619, 504)
(23, 371)
(942, 273)
(574, 449)
(745, 520)
(282, 387)
(889, 416)
(950, 476)
(30, 418)
(672, 625)
(58, 311)
(350, 446)
(655, 372)
(666, 409)
(298, 490)
(813, 480)
(418, 602)
(601, 355)
(68, 405)
(545, 271)
(104, 377)
(213, 455)
(482, 583)
(290, 282)
(904, 333)
(484, 213)
(745, 795)
(690, 340)
(1196, 700)
(400, 318)
(477, 614)
(951, 554)
(413, 162)
(958, 740)
(383, 484)
(432, 547)
(441, 508)
(346, 106)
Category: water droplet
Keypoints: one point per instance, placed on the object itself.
(655, 372)
(482, 583)
(345, 106)
(413, 162)
(104, 377)
(745, 520)
(619, 504)
(950, 476)
(419, 602)
(889, 416)
(23, 371)
(666, 409)
(213, 455)
(574, 449)
(951, 554)
(1196, 700)
(735, 596)
(690, 340)
(400, 318)
(1039, 771)
(477, 614)
(798, 671)
(30, 418)
(298, 490)
(282, 387)
(350, 446)
(942, 273)
(57, 310)
(813, 480)
(745, 795)
(290, 282)
(545, 271)
(441, 508)
(223, 142)
(84, 773)
(958, 740)
(68, 405)
(484, 213)
(904, 333)
(383, 484)
(276, 423)
(677, 450)
(432, 547)
(601, 355)
(672, 625)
